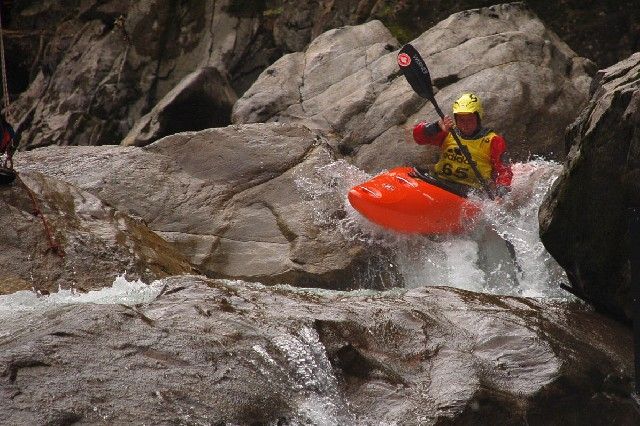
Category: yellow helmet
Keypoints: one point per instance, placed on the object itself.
(468, 102)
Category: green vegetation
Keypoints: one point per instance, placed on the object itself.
(273, 13)
(401, 32)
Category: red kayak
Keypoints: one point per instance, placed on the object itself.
(401, 201)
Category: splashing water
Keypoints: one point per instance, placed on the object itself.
(479, 260)
(309, 372)
(516, 220)
(121, 292)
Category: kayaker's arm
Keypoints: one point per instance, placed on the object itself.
(502, 173)
(428, 134)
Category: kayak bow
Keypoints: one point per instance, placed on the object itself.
(400, 202)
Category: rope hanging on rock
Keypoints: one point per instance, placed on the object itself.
(7, 174)
(53, 244)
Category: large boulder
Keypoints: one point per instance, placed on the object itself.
(232, 199)
(55, 235)
(219, 352)
(583, 219)
(103, 65)
(347, 82)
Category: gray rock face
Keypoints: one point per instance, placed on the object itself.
(210, 351)
(347, 82)
(202, 100)
(583, 220)
(96, 242)
(605, 32)
(109, 63)
(229, 199)
(302, 21)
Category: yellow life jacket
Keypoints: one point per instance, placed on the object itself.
(453, 165)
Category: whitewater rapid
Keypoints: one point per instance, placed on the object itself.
(478, 260)
(475, 261)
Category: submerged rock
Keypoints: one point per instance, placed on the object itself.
(584, 217)
(82, 242)
(347, 82)
(212, 351)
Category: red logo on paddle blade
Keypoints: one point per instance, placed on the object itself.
(404, 60)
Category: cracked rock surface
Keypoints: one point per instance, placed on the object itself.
(92, 241)
(214, 352)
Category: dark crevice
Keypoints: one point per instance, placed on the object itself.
(345, 353)
(135, 313)
(352, 363)
(63, 418)
(441, 82)
(197, 112)
(246, 8)
(63, 334)
(174, 290)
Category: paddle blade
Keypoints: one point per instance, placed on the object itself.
(415, 70)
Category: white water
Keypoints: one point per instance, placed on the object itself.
(309, 372)
(121, 292)
(478, 260)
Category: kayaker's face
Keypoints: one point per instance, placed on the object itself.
(467, 123)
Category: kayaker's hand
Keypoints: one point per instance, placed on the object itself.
(446, 124)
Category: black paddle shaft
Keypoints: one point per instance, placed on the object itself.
(415, 70)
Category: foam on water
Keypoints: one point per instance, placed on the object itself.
(121, 292)
(479, 260)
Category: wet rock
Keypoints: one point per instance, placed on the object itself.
(213, 351)
(234, 200)
(91, 243)
(583, 219)
(347, 82)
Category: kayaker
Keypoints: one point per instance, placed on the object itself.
(486, 147)
(8, 141)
